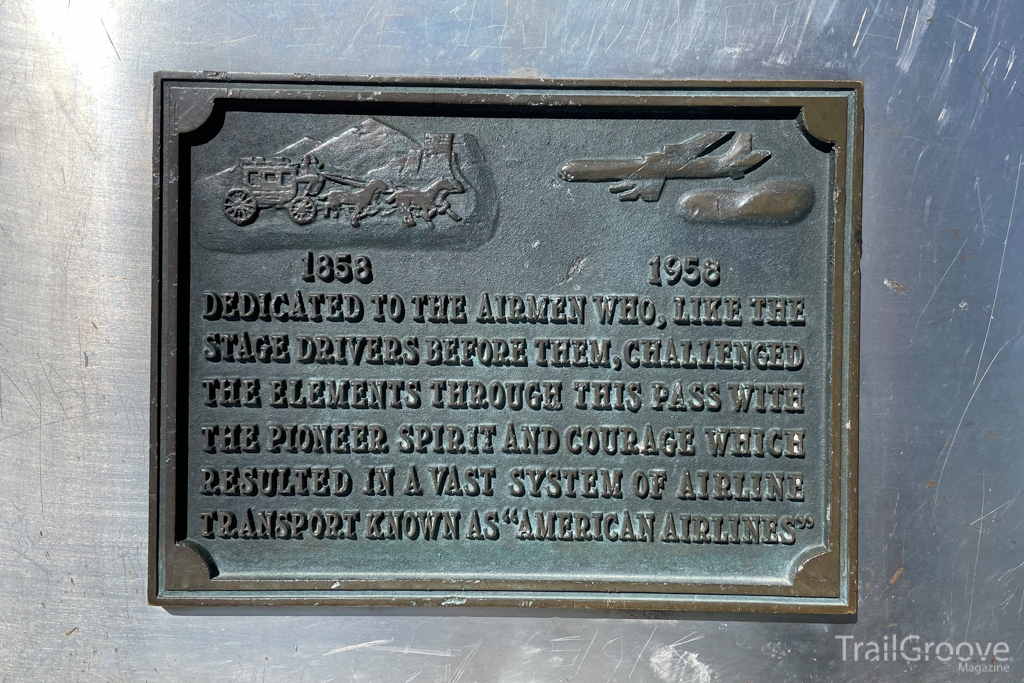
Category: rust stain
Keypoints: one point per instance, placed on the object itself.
(896, 576)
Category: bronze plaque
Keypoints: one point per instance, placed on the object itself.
(456, 342)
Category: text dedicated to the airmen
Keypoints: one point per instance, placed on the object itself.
(673, 415)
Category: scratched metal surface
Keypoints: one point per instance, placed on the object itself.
(942, 355)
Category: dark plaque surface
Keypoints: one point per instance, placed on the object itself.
(578, 344)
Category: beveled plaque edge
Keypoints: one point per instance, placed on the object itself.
(184, 576)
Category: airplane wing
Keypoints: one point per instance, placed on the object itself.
(647, 189)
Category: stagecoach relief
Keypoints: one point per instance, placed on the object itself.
(415, 185)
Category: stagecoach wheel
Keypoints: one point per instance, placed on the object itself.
(302, 210)
(240, 206)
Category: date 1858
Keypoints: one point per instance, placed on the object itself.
(337, 267)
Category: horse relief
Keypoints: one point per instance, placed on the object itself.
(363, 201)
(429, 202)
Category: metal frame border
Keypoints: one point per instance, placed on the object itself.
(825, 584)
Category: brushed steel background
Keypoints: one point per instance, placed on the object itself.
(942, 359)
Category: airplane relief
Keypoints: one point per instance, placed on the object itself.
(645, 178)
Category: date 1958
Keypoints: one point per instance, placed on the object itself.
(688, 270)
